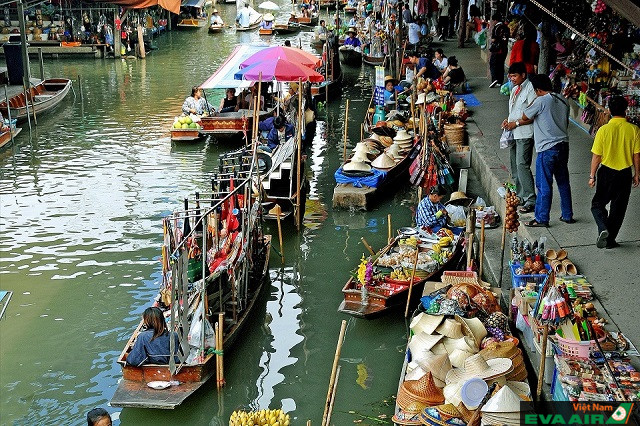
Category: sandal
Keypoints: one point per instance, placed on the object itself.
(535, 224)
(527, 209)
(569, 221)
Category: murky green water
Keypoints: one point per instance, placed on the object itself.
(81, 203)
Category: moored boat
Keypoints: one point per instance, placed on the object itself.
(252, 25)
(309, 21)
(373, 60)
(192, 23)
(284, 29)
(216, 28)
(350, 56)
(265, 31)
(41, 97)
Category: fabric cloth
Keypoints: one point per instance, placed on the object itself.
(519, 100)
(156, 351)
(352, 41)
(612, 186)
(550, 114)
(266, 125)
(276, 138)
(521, 154)
(527, 52)
(372, 181)
(414, 33)
(426, 214)
(616, 142)
(388, 95)
(550, 163)
(441, 64)
(199, 105)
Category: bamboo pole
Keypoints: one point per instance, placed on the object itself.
(413, 274)
(333, 396)
(6, 96)
(334, 371)
(367, 246)
(346, 127)
(389, 228)
(471, 231)
(504, 236)
(543, 360)
(278, 211)
(361, 131)
(220, 348)
(298, 165)
(481, 251)
(33, 107)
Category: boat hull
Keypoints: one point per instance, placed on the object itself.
(265, 31)
(215, 29)
(251, 27)
(42, 97)
(350, 56)
(287, 29)
(373, 60)
(186, 135)
(191, 24)
(5, 136)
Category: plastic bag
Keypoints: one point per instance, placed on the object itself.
(506, 140)
(481, 38)
(195, 331)
(480, 202)
(456, 215)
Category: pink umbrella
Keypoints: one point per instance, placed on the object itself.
(289, 53)
(280, 70)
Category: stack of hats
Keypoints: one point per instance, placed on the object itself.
(503, 408)
(507, 349)
(359, 161)
(404, 141)
(383, 162)
(414, 396)
(394, 152)
(477, 366)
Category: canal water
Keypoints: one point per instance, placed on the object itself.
(82, 197)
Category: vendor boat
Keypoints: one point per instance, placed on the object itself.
(236, 264)
(327, 4)
(286, 29)
(192, 23)
(350, 56)
(373, 60)
(252, 25)
(42, 97)
(388, 294)
(309, 21)
(216, 28)
(266, 31)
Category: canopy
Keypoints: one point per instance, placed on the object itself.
(171, 5)
(223, 78)
(278, 69)
(291, 54)
(269, 5)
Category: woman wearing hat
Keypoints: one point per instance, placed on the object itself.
(352, 40)
(431, 213)
(267, 23)
(215, 18)
(389, 88)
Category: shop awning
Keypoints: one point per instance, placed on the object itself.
(628, 9)
(193, 3)
(170, 5)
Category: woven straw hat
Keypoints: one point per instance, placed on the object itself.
(452, 393)
(519, 372)
(450, 328)
(458, 356)
(503, 401)
(421, 344)
(374, 136)
(522, 389)
(415, 373)
(356, 166)
(268, 17)
(406, 418)
(394, 151)
(506, 349)
(445, 414)
(386, 140)
(423, 390)
(459, 198)
(438, 365)
(425, 323)
(476, 366)
(383, 161)
(439, 348)
(402, 135)
(465, 413)
(473, 327)
(464, 343)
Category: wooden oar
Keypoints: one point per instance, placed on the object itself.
(334, 372)
(367, 246)
(413, 274)
(389, 236)
(346, 127)
(543, 360)
(481, 251)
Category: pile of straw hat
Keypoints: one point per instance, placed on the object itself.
(477, 366)
(394, 152)
(383, 162)
(414, 396)
(503, 408)
(507, 349)
(404, 140)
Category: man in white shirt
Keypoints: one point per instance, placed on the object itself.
(522, 94)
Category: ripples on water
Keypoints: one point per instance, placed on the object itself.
(80, 236)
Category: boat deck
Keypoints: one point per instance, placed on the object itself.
(346, 196)
(138, 394)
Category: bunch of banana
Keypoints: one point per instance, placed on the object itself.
(259, 418)
(411, 241)
(445, 241)
(436, 247)
(398, 274)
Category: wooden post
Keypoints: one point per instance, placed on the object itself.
(26, 102)
(334, 371)
(545, 46)
(117, 33)
(80, 87)
(543, 359)
(367, 246)
(29, 96)
(6, 96)
(333, 396)
(299, 157)
(389, 228)
(41, 61)
(346, 127)
(24, 44)
(504, 237)
(462, 27)
(413, 275)
(141, 51)
(278, 210)
(481, 251)
(471, 230)
(220, 347)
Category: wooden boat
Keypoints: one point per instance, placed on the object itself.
(266, 31)
(309, 21)
(285, 29)
(252, 26)
(350, 10)
(372, 60)
(215, 29)
(42, 97)
(5, 135)
(390, 294)
(350, 56)
(327, 4)
(192, 23)
(240, 268)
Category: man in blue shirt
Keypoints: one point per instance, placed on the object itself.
(280, 133)
(431, 213)
(352, 40)
(424, 68)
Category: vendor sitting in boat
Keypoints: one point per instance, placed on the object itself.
(389, 89)
(321, 30)
(280, 133)
(352, 40)
(215, 20)
(196, 104)
(152, 344)
(230, 102)
(431, 213)
(267, 23)
(353, 22)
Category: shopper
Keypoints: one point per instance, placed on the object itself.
(521, 151)
(616, 157)
(526, 49)
(549, 114)
(498, 48)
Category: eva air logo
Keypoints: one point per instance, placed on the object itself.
(621, 415)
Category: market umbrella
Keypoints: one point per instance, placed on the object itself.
(297, 56)
(278, 69)
(269, 5)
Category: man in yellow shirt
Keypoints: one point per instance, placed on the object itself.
(616, 158)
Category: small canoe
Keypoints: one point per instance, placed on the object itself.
(285, 29)
(265, 31)
(191, 24)
(5, 136)
(350, 10)
(252, 26)
(42, 97)
(310, 21)
(215, 29)
(350, 56)
(372, 60)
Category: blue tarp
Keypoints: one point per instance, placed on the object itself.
(470, 100)
(371, 181)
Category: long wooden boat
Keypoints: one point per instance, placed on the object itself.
(285, 29)
(327, 4)
(372, 60)
(216, 29)
(240, 268)
(192, 24)
(5, 136)
(252, 26)
(390, 294)
(41, 97)
(226, 125)
(309, 21)
(350, 56)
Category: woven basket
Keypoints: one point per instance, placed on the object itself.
(459, 277)
(455, 133)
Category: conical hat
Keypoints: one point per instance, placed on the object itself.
(465, 413)
(374, 136)
(361, 157)
(522, 389)
(439, 349)
(506, 349)
(394, 151)
(420, 99)
(386, 140)
(423, 390)
(463, 343)
(415, 373)
(450, 328)
(268, 17)
(406, 418)
(356, 166)
(438, 365)
(402, 135)
(421, 344)
(458, 356)
(383, 161)
(504, 401)
(441, 415)
(473, 327)
(459, 198)
(476, 366)
(425, 323)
